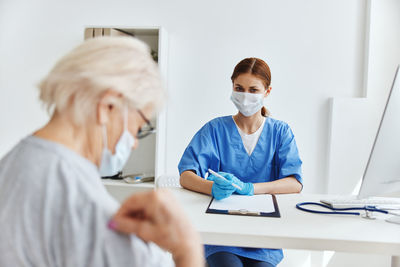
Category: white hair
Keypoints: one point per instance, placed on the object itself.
(121, 64)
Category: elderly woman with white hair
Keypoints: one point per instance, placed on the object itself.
(54, 210)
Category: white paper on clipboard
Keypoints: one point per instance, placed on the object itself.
(256, 203)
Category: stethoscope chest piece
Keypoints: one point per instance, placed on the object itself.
(368, 215)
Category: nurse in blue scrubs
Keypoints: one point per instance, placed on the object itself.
(250, 149)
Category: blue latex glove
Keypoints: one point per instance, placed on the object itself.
(247, 188)
(221, 188)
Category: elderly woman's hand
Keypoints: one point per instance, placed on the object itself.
(156, 216)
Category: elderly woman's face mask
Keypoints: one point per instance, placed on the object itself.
(110, 163)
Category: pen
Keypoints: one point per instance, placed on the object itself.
(222, 177)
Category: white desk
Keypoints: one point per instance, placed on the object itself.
(294, 230)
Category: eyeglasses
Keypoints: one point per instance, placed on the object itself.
(147, 129)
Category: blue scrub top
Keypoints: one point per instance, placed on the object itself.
(218, 146)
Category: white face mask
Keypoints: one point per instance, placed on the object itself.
(247, 103)
(111, 164)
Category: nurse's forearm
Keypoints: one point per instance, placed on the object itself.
(286, 185)
(191, 181)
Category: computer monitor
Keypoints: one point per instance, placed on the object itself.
(382, 172)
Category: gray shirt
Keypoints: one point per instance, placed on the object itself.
(54, 211)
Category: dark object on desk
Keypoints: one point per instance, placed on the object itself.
(243, 212)
(118, 176)
(131, 178)
(342, 211)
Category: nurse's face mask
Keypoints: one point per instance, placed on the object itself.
(247, 103)
(111, 164)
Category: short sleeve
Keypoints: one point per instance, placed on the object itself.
(201, 153)
(289, 162)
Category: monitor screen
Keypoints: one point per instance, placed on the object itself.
(382, 173)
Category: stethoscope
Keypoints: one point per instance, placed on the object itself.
(342, 211)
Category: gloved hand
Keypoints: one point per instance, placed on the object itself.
(247, 188)
(221, 188)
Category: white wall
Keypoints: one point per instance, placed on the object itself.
(313, 56)
(355, 120)
(315, 50)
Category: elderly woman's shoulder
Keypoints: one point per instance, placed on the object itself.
(37, 163)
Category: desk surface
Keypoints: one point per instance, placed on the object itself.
(295, 229)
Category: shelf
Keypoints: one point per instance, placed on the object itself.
(150, 155)
(121, 190)
(112, 182)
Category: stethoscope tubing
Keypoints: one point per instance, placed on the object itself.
(342, 211)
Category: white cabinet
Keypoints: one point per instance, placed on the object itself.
(149, 157)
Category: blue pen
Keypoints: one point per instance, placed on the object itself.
(222, 177)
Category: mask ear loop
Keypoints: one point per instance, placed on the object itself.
(105, 141)
(126, 113)
(126, 117)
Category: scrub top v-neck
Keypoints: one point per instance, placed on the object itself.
(218, 146)
(250, 140)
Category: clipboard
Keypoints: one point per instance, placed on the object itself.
(245, 212)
